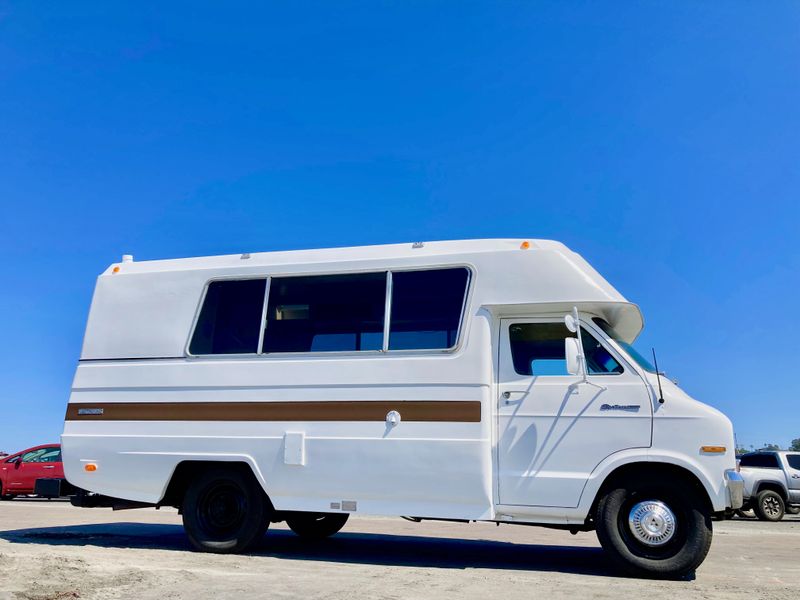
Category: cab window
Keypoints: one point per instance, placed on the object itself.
(762, 461)
(538, 349)
(33, 455)
(50, 455)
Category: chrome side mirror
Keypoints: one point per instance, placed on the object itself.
(573, 356)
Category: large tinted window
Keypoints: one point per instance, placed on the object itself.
(230, 319)
(325, 313)
(794, 461)
(538, 349)
(426, 308)
(764, 461)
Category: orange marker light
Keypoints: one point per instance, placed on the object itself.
(90, 467)
(713, 449)
(524, 245)
(115, 270)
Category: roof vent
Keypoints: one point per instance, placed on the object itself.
(245, 256)
(126, 258)
(416, 245)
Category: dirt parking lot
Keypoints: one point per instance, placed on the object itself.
(50, 550)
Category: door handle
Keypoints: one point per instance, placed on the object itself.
(507, 394)
(795, 476)
(49, 467)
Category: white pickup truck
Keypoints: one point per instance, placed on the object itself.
(771, 483)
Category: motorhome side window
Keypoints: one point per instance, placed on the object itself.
(332, 313)
(230, 318)
(538, 349)
(426, 308)
(325, 313)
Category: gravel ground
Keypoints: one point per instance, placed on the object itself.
(50, 551)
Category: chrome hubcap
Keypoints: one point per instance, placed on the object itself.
(652, 522)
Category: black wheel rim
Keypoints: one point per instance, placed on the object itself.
(771, 506)
(221, 509)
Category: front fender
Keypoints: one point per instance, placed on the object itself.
(771, 483)
(711, 476)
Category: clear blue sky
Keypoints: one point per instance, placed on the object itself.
(660, 140)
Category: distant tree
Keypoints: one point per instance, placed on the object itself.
(742, 451)
(771, 447)
(795, 445)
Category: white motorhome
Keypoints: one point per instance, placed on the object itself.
(483, 380)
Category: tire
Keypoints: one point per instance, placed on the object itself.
(769, 506)
(317, 526)
(225, 511)
(685, 544)
(793, 510)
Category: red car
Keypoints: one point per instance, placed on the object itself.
(19, 472)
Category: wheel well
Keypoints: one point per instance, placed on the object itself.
(767, 485)
(633, 471)
(187, 470)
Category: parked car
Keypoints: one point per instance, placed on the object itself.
(19, 472)
(771, 483)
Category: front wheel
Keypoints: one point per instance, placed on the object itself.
(225, 511)
(316, 526)
(654, 528)
(769, 506)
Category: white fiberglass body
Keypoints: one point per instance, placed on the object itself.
(463, 432)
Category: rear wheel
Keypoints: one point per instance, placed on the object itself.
(316, 526)
(654, 527)
(225, 511)
(769, 506)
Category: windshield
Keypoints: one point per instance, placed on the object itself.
(632, 352)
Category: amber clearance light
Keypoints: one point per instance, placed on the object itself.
(90, 467)
(713, 449)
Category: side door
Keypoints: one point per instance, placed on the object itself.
(8, 473)
(553, 430)
(50, 462)
(28, 471)
(793, 476)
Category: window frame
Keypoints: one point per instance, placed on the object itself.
(385, 351)
(598, 334)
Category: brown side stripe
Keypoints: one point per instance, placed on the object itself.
(410, 410)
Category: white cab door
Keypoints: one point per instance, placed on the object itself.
(553, 430)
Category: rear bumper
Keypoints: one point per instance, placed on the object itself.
(735, 486)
